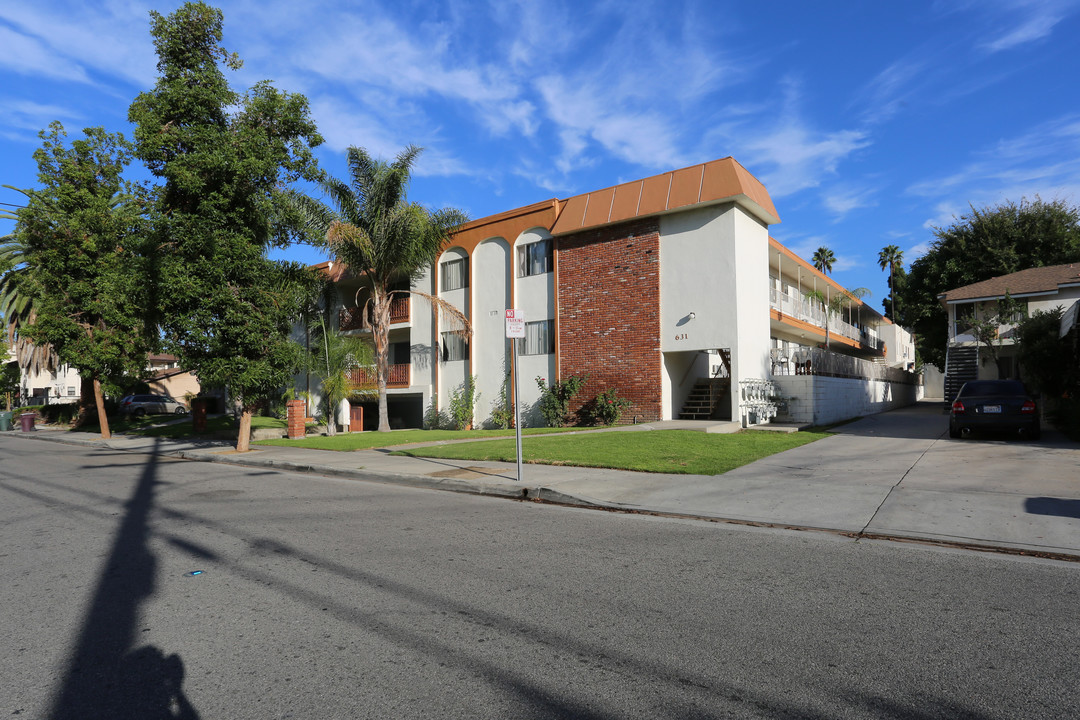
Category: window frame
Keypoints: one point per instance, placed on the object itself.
(524, 347)
(444, 275)
(529, 258)
(451, 345)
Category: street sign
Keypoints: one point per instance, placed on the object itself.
(515, 323)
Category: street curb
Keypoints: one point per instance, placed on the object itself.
(512, 491)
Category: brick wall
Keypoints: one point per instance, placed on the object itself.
(609, 313)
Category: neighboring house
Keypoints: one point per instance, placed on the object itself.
(51, 387)
(667, 289)
(1041, 288)
(166, 377)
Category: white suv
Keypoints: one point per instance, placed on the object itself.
(139, 405)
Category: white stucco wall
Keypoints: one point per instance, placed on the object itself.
(714, 264)
(492, 263)
(818, 400)
(535, 295)
(452, 373)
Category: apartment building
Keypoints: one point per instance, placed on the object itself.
(667, 289)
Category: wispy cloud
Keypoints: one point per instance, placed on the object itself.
(17, 116)
(1027, 21)
(1044, 161)
(111, 38)
(890, 90)
(29, 56)
(842, 200)
(796, 155)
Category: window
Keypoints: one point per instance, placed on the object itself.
(455, 274)
(535, 258)
(539, 338)
(71, 391)
(454, 347)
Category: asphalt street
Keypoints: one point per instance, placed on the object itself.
(325, 597)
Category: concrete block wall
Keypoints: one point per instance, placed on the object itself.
(609, 313)
(822, 400)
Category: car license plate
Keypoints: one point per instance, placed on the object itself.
(992, 409)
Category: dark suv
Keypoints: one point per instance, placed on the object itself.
(139, 405)
(998, 405)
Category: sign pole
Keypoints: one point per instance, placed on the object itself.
(517, 407)
(515, 329)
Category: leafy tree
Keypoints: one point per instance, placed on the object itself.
(384, 239)
(226, 310)
(987, 329)
(824, 259)
(982, 244)
(85, 259)
(1051, 362)
(891, 257)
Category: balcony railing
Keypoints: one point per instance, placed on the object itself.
(819, 361)
(398, 377)
(351, 318)
(811, 312)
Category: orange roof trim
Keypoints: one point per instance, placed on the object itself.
(707, 183)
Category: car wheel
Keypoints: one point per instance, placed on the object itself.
(138, 412)
(1035, 433)
(180, 411)
(954, 433)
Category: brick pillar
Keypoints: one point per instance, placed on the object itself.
(296, 414)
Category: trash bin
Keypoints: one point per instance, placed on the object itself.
(26, 421)
(5, 421)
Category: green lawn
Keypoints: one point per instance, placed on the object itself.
(662, 451)
(346, 442)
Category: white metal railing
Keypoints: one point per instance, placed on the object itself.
(811, 312)
(818, 361)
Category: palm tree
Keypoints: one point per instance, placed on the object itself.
(16, 306)
(823, 259)
(891, 257)
(333, 355)
(383, 238)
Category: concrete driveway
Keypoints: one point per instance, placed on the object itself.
(896, 473)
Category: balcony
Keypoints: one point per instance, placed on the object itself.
(351, 318)
(810, 312)
(400, 376)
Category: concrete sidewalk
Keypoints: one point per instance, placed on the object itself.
(893, 475)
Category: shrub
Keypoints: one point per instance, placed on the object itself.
(555, 399)
(502, 413)
(608, 407)
(463, 399)
(436, 419)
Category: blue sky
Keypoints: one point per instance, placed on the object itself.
(868, 122)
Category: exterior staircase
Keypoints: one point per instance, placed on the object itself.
(961, 365)
(709, 397)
